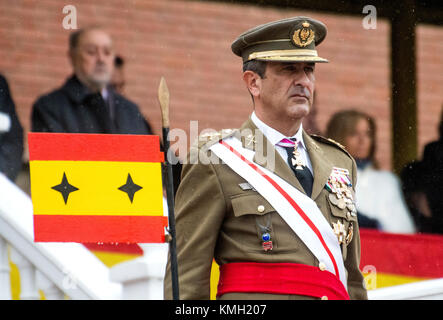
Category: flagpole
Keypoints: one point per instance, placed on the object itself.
(163, 97)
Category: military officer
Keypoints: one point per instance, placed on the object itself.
(277, 214)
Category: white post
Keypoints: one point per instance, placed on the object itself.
(156, 256)
(28, 287)
(5, 271)
(142, 278)
(50, 290)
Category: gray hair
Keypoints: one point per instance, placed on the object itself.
(257, 66)
(75, 36)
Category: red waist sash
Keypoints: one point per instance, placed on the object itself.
(280, 278)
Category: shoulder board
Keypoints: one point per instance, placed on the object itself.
(210, 138)
(330, 142)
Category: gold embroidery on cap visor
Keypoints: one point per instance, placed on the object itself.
(297, 55)
(303, 37)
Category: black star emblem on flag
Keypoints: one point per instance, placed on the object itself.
(130, 188)
(65, 188)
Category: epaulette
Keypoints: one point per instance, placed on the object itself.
(209, 138)
(330, 142)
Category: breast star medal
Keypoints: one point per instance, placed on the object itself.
(339, 231)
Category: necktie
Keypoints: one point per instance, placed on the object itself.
(301, 171)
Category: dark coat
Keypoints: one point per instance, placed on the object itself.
(433, 180)
(11, 141)
(72, 109)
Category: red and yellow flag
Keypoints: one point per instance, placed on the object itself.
(389, 259)
(96, 187)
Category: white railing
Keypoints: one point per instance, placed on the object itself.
(59, 270)
(422, 290)
(142, 278)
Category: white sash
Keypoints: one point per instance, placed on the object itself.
(299, 211)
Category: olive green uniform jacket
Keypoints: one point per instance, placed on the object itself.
(216, 218)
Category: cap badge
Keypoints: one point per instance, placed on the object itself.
(304, 36)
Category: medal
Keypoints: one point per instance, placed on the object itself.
(333, 199)
(350, 233)
(339, 231)
(340, 186)
(266, 237)
(340, 170)
(296, 161)
(267, 246)
(350, 206)
(266, 234)
(341, 203)
(267, 242)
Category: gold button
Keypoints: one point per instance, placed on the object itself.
(322, 266)
(324, 298)
(261, 208)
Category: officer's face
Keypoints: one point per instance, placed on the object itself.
(287, 90)
(93, 59)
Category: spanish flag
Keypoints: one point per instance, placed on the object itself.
(389, 259)
(96, 188)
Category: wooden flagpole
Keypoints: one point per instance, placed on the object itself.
(163, 97)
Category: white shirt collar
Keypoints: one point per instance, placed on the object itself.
(273, 135)
(105, 93)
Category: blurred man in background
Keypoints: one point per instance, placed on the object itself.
(11, 134)
(86, 103)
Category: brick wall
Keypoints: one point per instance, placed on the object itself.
(188, 43)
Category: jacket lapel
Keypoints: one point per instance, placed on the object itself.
(321, 166)
(75, 90)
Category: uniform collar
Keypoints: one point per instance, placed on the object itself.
(273, 135)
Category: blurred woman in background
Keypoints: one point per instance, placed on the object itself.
(379, 197)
